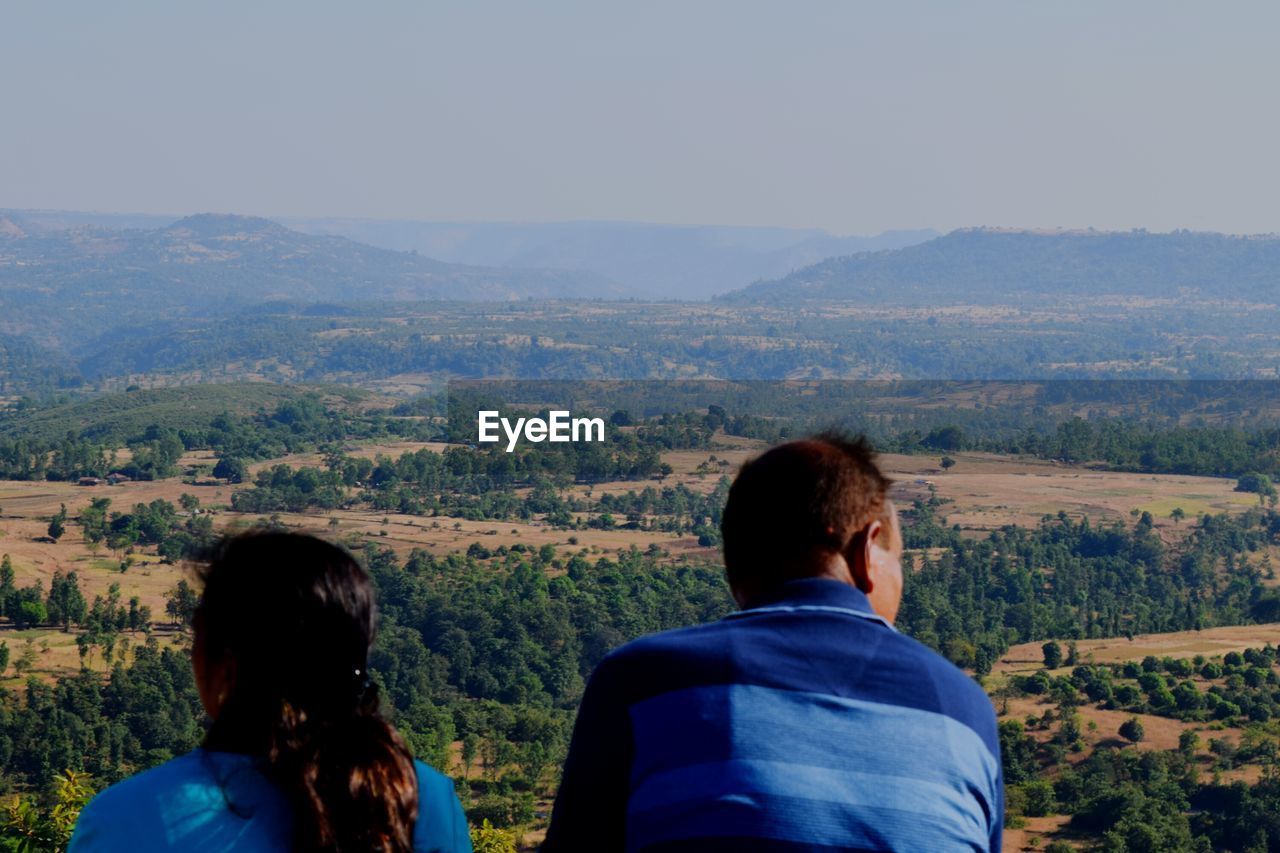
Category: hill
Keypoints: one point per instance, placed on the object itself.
(988, 266)
(62, 283)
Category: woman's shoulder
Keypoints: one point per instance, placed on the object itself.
(170, 806)
(431, 782)
(143, 789)
(441, 825)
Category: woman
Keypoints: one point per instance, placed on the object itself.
(297, 757)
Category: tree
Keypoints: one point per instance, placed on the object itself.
(1255, 482)
(27, 659)
(470, 747)
(66, 603)
(58, 524)
(180, 603)
(1039, 798)
(948, 463)
(1188, 742)
(231, 469)
(1178, 514)
(7, 590)
(93, 520)
(30, 613)
(946, 438)
(1131, 730)
(1052, 655)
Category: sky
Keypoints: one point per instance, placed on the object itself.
(855, 117)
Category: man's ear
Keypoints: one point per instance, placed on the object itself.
(859, 558)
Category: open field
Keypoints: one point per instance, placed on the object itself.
(1028, 657)
(992, 491)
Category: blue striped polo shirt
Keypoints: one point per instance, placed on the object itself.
(804, 722)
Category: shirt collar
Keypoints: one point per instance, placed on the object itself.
(821, 592)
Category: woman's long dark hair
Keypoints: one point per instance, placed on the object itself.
(292, 617)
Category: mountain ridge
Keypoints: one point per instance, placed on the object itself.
(648, 260)
(64, 282)
(1011, 266)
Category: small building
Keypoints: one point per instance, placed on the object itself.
(115, 478)
(90, 481)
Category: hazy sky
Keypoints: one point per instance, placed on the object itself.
(856, 117)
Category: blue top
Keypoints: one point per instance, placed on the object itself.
(803, 723)
(207, 801)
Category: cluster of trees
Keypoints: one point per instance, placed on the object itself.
(972, 598)
(1125, 445)
(1238, 688)
(677, 509)
(99, 624)
(174, 534)
(305, 422)
(466, 482)
(1122, 798)
(281, 488)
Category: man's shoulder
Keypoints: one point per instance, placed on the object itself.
(949, 681)
(917, 654)
(675, 641)
(870, 661)
(666, 660)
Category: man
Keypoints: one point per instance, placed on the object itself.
(802, 722)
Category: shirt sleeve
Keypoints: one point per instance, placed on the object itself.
(591, 807)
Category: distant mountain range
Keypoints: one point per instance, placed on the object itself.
(59, 276)
(117, 298)
(66, 275)
(1008, 267)
(641, 260)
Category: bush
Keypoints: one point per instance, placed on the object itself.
(1039, 799)
(487, 838)
(1258, 484)
(1131, 730)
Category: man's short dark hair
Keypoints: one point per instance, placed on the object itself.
(796, 500)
